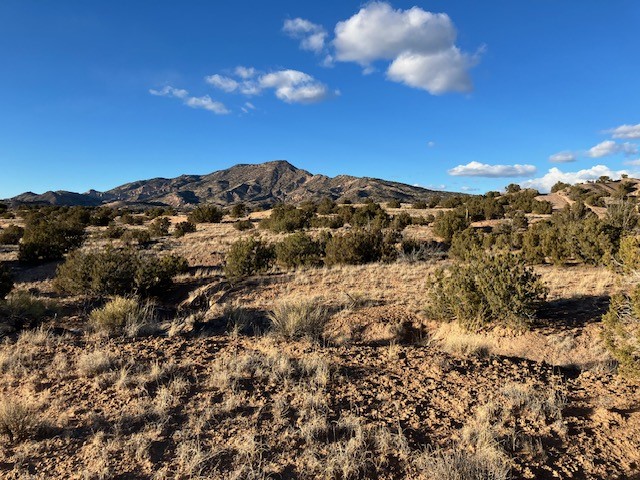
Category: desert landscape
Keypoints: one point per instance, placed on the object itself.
(323, 339)
(340, 240)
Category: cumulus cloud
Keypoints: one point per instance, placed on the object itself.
(477, 169)
(312, 37)
(205, 102)
(609, 147)
(625, 131)
(555, 175)
(419, 44)
(635, 162)
(563, 157)
(290, 86)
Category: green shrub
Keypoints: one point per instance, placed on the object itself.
(6, 281)
(243, 225)
(326, 206)
(394, 204)
(114, 231)
(488, 290)
(401, 221)
(11, 235)
(103, 216)
(131, 219)
(238, 210)
(206, 214)
(298, 250)
(287, 218)
(572, 235)
(332, 221)
(49, 237)
(182, 228)
(447, 224)
(136, 237)
(123, 315)
(419, 205)
(621, 332)
(247, 257)
(359, 246)
(117, 272)
(629, 254)
(297, 319)
(559, 186)
(623, 214)
(159, 227)
(372, 216)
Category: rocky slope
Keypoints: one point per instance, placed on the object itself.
(261, 184)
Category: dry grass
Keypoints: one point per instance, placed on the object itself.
(19, 419)
(299, 318)
(123, 315)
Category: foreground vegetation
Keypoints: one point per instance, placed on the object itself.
(465, 337)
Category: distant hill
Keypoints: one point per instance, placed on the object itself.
(260, 184)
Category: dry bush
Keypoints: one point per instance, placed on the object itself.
(299, 318)
(22, 304)
(19, 419)
(94, 363)
(123, 315)
(459, 465)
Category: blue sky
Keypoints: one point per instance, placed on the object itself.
(461, 95)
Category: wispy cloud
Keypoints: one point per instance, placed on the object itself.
(477, 169)
(205, 102)
(563, 157)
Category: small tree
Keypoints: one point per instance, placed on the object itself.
(247, 257)
(485, 291)
(298, 250)
(206, 214)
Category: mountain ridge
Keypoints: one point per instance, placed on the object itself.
(254, 184)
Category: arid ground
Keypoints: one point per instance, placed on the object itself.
(386, 393)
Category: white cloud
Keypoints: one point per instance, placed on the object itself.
(169, 91)
(225, 84)
(555, 175)
(419, 44)
(477, 169)
(635, 162)
(442, 72)
(625, 131)
(247, 107)
(205, 102)
(312, 37)
(466, 188)
(563, 157)
(609, 147)
(291, 86)
(245, 72)
(431, 144)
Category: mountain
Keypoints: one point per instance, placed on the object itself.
(262, 184)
